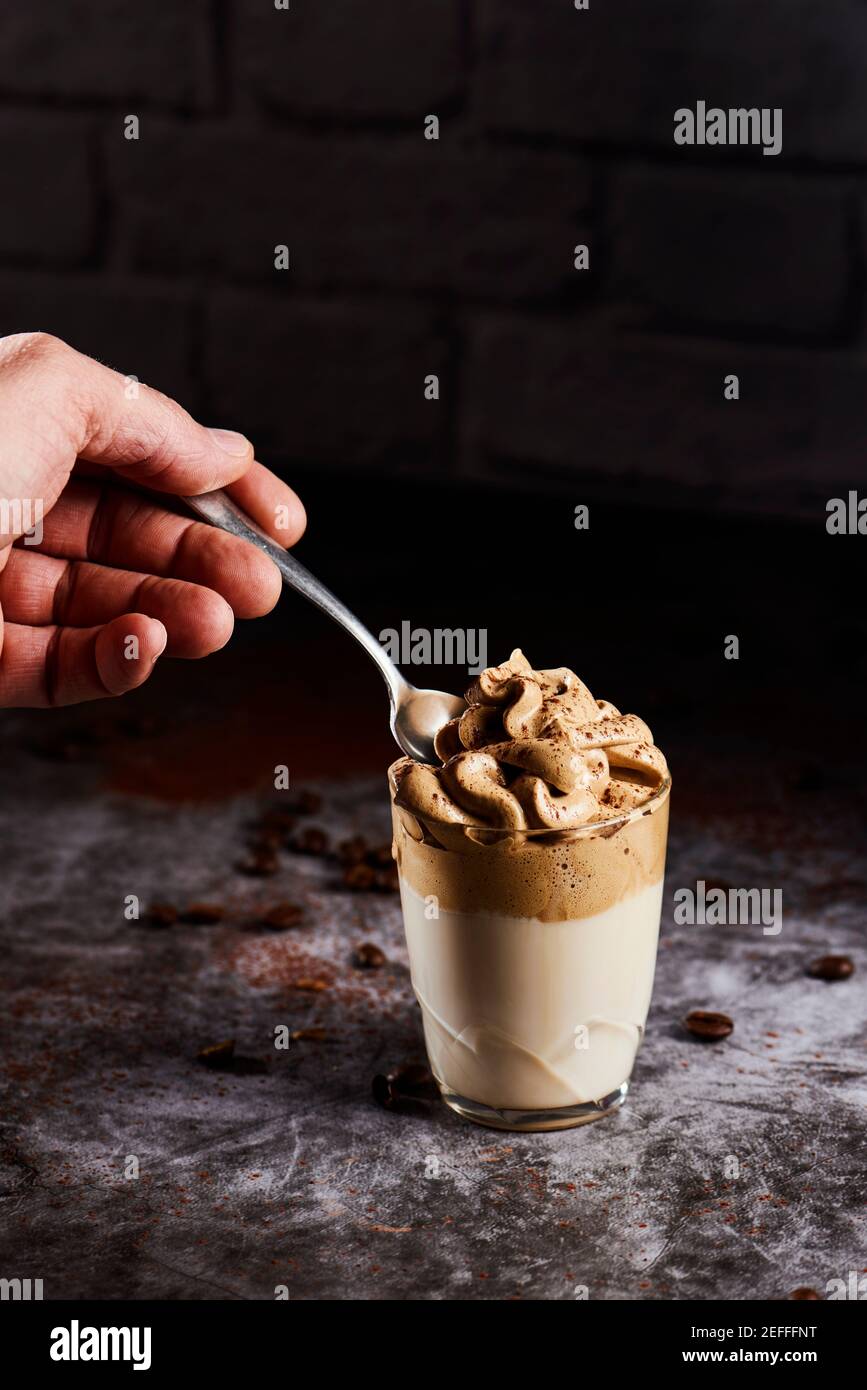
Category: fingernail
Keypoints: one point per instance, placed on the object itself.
(163, 643)
(230, 442)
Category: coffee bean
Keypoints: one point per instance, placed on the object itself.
(309, 1034)
(368, 956)
(710, 1027)
(380, 857)
(218, 1054)
(278, 819)
(311, 841)
(202, 914)
(406, 1089)
(161, 915)
(831, 968)
(246, 1066)
(353, 850)
(805, 1294)
(382, 1092)
(222, 1057)
(307, 803)
(359, 877)
(259, 863)
(268, 840)
(307, 982)
(412, 1078)
(282, 916)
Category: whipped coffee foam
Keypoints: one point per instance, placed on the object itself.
(533, 750)
(538, 763)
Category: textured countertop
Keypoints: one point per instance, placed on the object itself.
(132, 1170)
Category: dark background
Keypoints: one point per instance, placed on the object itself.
(261, 127)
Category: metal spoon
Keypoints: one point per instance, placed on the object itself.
(416, 715)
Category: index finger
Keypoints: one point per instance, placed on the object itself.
(109, 419)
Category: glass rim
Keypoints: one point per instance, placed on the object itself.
(587, 828)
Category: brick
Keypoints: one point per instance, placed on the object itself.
(395, 58)
(587, 404)
(339, 384)
(156, 54)
(403, 213)
(732, 250)
(143, 331)
(48, 193)
(618, 71)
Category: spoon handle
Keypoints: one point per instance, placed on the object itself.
(219, 509)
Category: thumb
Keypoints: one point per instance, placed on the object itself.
(106, 418)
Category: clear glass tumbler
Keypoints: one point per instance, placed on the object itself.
(532, 956)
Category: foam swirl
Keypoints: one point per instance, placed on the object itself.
(532, 751)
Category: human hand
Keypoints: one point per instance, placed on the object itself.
(116, 579)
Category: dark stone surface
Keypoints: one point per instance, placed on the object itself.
(735, 1169)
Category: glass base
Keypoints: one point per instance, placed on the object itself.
(566, 1117)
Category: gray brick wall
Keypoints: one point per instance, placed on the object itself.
(350, 60)
(305, 127)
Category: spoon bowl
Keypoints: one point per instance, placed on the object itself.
(418, 718)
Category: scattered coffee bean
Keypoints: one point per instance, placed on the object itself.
(202, 914)
(268, 840)
(222, 1057)
(805, 1294)
(831, 968)
(413, 1078)
(218, 1054)
(383, 1093)
(282, 916)
(259, 863)
(307, 982)
(407, 1089)
(368, 956)
(309, 1034)
(387, 880)
(710, 1027)
(311, 841)
(246, 1066)
(353, 850)
(307, 803)
(161, 915)
(277, 818)
(380, 857)
(359, 877)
